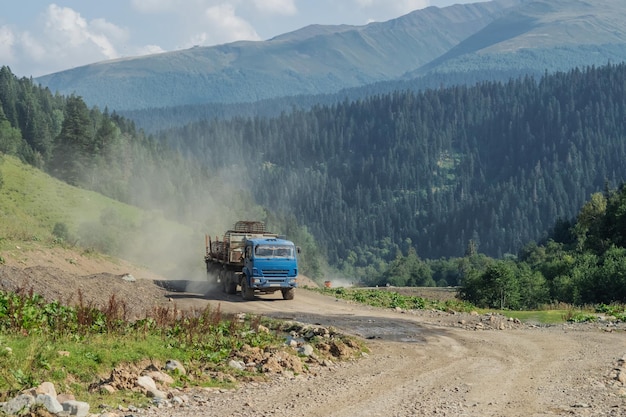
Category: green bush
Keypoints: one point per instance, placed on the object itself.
(61, 232)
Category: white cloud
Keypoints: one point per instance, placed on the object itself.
(7, 41)
(209, 22)
(281, 7)
(150, 49)
(64, 39)
(32, 49)
(115, 32)
(69, 36)
(226, 26)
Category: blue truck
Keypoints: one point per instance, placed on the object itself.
(251, 259)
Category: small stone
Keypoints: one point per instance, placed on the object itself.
(237, 365)
(50, 403)
(76, 408)
(173, 365)
(306, 350)
(128, 278)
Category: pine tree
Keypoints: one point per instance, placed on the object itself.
(71, 155)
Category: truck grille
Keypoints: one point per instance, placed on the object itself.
(269, 273)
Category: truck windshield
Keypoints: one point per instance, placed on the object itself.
(273, 251)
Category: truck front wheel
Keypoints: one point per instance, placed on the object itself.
(246, 292)
(288, 294)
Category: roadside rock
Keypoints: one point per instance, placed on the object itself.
(45, 396)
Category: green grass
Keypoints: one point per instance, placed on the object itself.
(550, 315)
(567, 313)
(36, 209)
(390, 299)
(538, 316)
(77, 348)
(73, 363)
(32, 202)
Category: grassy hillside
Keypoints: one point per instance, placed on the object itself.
(36, 210)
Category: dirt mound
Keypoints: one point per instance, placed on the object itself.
(71, 278)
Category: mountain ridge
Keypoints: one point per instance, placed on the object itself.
(459, 44)
(542, 27)
(312, 60)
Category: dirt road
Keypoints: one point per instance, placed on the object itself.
(422, 363)
(427, 364)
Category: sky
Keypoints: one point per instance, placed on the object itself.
(39, 37)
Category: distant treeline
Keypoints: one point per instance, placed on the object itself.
(155, 119)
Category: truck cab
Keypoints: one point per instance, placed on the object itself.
(269, 265)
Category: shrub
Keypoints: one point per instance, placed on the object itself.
(61, 232)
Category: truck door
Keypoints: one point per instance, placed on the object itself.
(248, 260)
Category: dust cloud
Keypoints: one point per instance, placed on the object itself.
(175, 248)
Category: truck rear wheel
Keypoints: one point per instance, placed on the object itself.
(230, 286)
(289, 294)
(246, 292)
(211, 273)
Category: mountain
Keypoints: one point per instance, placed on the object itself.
(459, 44)
(541, 36)
(313, 60)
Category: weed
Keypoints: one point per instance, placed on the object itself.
(97, 339)
(550, 313)
(392, 299)
(579, 317)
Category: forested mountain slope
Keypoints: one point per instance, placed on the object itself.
(498, 163)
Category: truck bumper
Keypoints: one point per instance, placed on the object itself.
(261, 283)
